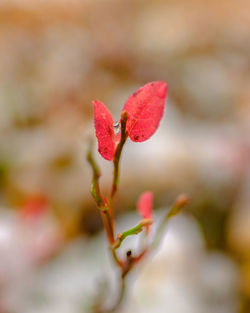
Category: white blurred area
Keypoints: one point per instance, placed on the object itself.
(180, 277)
(26, 242)
(58, 56)
(183, 277)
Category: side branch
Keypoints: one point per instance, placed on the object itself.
(95, 188)
(133, 231)
(181, 201)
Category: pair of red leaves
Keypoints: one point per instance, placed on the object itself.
(144, 108)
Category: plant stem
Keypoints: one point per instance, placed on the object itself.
(98, 308)
(132, 231)
(95, 188)
(180, 202)
(120, 297)
(116, 161)
(100, 202)
(108, 225)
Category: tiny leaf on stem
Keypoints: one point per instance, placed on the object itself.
(145, 204)
(145, 207)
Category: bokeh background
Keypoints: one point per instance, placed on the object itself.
(58, 56)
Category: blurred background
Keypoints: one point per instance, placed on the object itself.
(58, 56)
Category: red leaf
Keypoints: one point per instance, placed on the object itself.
(145, 109)
(145, 204)
(104, 129)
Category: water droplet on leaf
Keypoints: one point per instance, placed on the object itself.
(117, 128)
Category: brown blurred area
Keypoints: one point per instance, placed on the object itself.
(58, 56)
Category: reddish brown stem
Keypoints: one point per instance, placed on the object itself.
(108, 225)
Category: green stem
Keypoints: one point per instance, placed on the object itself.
(100, 202)
(98, 309)
(116, 161)
(115, 257)
(180, 202)
(132, 231)
(95, 188)
(120, 297)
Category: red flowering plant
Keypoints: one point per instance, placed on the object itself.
(140, 119)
